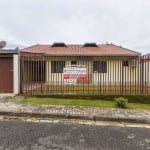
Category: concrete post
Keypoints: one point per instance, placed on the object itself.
(16, 74)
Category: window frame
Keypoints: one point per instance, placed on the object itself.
(125, 63)
(74, 62)
(57, 66)
(100, 66)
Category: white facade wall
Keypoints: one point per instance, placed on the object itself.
(15, 74)
(146, 69)
(54, 78)
(116, 73)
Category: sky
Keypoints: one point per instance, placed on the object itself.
(121, 22)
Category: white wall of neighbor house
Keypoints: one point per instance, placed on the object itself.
(16, 74)
(115, 74)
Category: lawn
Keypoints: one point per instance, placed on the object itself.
(81, 102)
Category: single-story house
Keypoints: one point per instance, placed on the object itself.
(87, 64)
(9, 72)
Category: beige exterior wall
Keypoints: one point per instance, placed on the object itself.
(116, 73)
(54, 78)
(146, 69)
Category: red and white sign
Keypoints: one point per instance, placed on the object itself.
(72, 73)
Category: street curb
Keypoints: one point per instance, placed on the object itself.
(67, 116)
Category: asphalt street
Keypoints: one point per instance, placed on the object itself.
(19, 135)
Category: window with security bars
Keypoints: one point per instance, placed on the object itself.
(73, 62)
(57, 66)
(125, 63)
(100, 66)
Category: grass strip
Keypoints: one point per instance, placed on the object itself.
(81, 102)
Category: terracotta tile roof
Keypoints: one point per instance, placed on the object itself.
(102, 50)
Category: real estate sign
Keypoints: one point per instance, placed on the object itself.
(72, 73)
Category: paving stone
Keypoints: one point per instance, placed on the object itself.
(12, 105)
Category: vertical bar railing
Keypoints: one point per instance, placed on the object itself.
(40, 74)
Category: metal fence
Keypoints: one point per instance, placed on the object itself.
(85, 75)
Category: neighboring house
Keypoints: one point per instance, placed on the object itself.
(9, 72)
(105, 64)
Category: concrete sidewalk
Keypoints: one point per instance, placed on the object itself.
(11, 107)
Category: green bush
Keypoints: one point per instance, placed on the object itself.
(121, 102)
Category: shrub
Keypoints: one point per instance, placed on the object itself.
(121, 102)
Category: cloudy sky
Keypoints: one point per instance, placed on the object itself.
(122, 22)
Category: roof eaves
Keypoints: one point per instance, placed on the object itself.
(91, 54)
(9, 51)
(30, 47)
(127, 49)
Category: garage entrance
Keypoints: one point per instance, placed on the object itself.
(6, 75)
